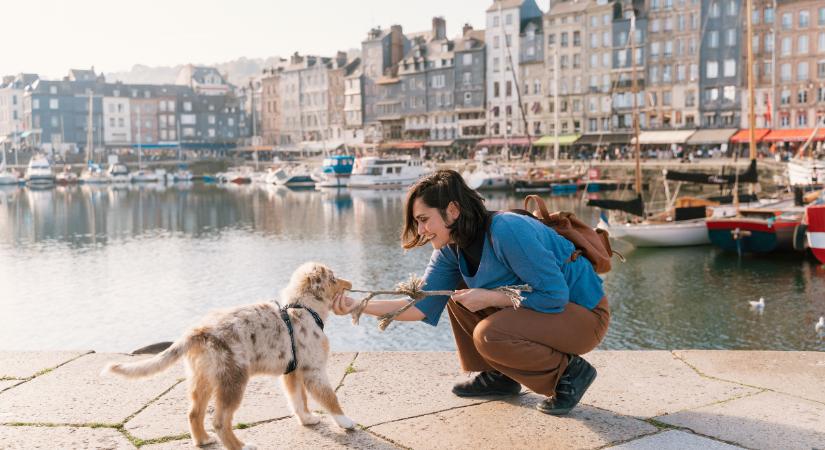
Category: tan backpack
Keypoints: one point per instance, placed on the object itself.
(593, 243)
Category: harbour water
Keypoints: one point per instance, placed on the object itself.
(113, 269)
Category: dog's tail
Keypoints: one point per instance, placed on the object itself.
(153, 365)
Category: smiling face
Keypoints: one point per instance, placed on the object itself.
(431, 225)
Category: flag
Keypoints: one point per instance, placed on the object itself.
(768, 112)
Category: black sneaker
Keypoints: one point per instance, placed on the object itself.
(578, 376)
(487, 383)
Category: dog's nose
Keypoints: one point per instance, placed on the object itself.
(344, 284)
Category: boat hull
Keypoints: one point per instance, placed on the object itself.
(816, 231)
(745, 235)
(674, 234)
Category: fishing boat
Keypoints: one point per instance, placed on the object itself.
(336, 171)
(757, 230)
(815, 218)
(372, 172)
(39, 172)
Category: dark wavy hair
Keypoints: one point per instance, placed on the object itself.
(438, 190)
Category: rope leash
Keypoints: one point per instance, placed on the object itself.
(413, 288)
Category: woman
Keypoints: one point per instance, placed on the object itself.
(535, 344)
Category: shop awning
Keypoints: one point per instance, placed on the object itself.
(564, 139)
(438, 143)
(711, 136)
(605, 138)
(794, 135)
(744, 136)
(664, 137)
(402, 145)
(500, 142)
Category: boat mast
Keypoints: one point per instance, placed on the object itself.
(139, 139)
(751, 114)
(635, 92)
(90, 135)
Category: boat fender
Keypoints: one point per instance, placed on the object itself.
(800, 238)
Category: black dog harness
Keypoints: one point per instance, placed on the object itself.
(293, 363)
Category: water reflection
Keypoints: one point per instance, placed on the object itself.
(117, 267)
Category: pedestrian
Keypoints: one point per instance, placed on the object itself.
(537, 343)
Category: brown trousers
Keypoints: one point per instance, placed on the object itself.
(528, 346)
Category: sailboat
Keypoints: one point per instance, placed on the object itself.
(808, 170)
(7, 175)
(142, 175)
(93, 173)
(762, 229)
(683, 225)
(182, 174)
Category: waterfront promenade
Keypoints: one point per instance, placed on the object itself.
(641, 400)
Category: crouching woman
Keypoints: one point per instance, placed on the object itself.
(536, 344)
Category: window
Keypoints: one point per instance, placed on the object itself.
(467, 59)
(577, 39)
(801, 119)
(768, 15)
(769, 42)
(804, 19)
(508, 91)
(712, 94)
(496, 41)
(786, 46)
(730, 67)
(508, 20)
(787, 21)
(820, 70)
(690, 99)
(187, 106)
(680, 72)
(820, 46)
(712, 69)
(713, 39)
(466, 78)
(496, 64)
(654, 50)
(755, 43)
(52, 89)
(732, 9)
(551, 39)
(785, 97)
(667, 98)
(668, 49)
(714, 9)
(802, 71)
(802, 96)
(802, 45)
(54, 103)
(187, 119)
(785, 72)
(120, 122)
(36, 103)
(495, 21)
(654, 75)
(732, 37)
(211, 119)
(729, 93)
(755, 17)
(564, 41)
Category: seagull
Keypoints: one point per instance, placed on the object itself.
(820, 326)
(760, 305)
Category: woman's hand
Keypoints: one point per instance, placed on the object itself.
(342, 305)
(478, 299)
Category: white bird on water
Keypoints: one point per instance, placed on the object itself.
(759, 306)
(820, 326)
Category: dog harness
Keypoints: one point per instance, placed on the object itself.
(293, 363)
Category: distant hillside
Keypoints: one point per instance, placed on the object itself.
(238, 71)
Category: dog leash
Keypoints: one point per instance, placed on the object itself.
(293, 363)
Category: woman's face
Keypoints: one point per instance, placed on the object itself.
(431, 225)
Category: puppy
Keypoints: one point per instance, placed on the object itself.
(230, 346)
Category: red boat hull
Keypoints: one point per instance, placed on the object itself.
(816, 230)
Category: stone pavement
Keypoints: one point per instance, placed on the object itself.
(640, 400)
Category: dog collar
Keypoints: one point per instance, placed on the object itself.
(293, 363)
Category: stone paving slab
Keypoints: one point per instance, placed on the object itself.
(263, 400)
(289, 434)
(27, 364)
(768, 420)
(76, 393)
(8, 383)
(674, 440)
(396, 385)
(803, 373)
(50, 438)
(514, 423)
(652, 383)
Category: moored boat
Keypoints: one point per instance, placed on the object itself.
(39, 172)
(385, 173)
(336, 171)
(756, 230)
(815, 216)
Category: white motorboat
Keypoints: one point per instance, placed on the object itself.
(335, 171)
(806, 171)
(39, 172)
(666, 234)
(298, 176)
(144, 176)
(488, 179)
(118, 173)
(372, 172)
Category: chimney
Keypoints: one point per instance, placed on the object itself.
(296, 58)
(396, 44)
(465, 31)
(340, 59)
(439, 28)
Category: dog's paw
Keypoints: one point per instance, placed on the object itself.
(309, 420)
(249, 446)
(344, 422)
(206, 442)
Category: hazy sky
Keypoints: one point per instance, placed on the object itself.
(50, 36)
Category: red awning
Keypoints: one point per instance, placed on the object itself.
(500, 142)
(744, 136)
(796, 135)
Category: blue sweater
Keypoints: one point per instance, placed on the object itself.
(523, 251)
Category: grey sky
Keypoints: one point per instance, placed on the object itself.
(50, 36)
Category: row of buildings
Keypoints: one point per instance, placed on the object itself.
(83, 111)
(563, 75)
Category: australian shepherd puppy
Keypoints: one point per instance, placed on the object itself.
(230, 346)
